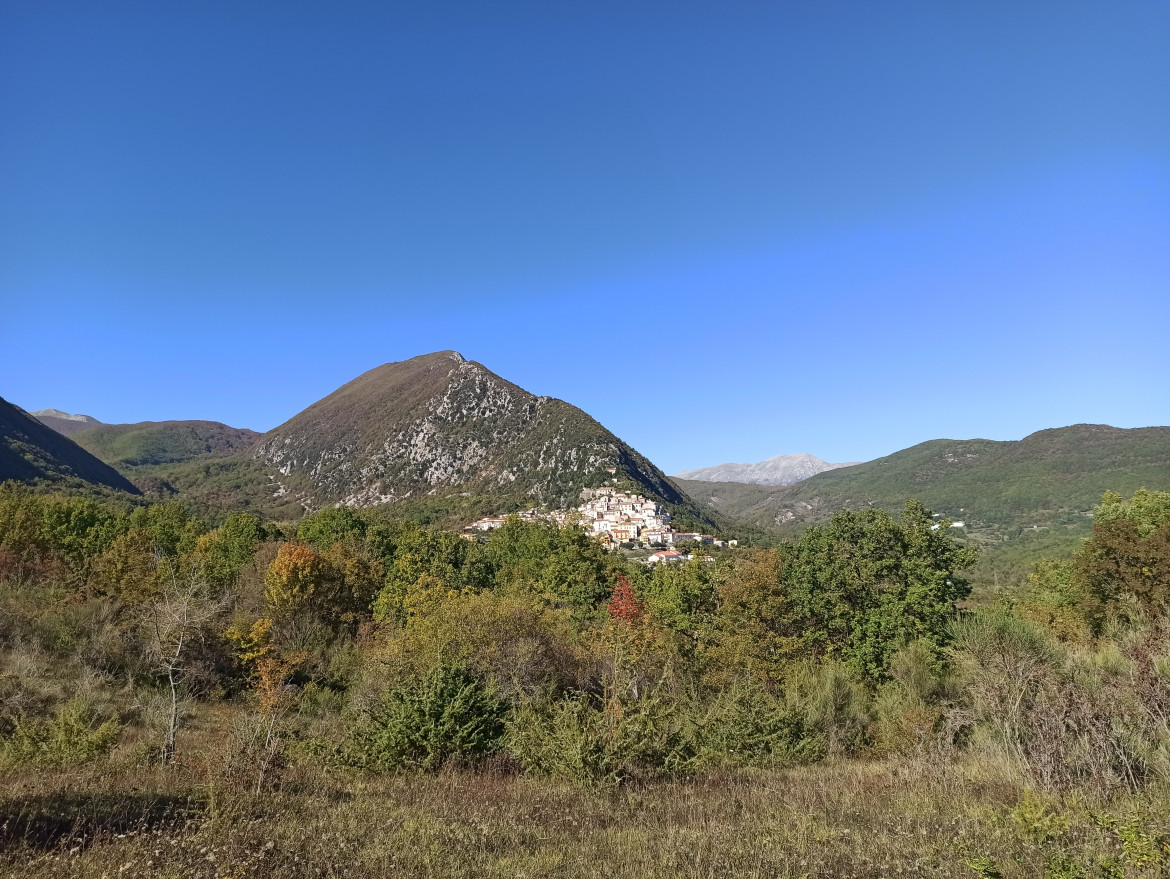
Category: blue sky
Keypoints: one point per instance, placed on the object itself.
(727, 231)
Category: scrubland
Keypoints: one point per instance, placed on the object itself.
(351, 695)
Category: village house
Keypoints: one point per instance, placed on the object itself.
(610, 515)
(488, 523)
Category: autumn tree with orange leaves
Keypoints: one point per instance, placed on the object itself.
(624, 604)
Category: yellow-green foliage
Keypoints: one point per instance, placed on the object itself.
(73, 735)
(619, 739)
(519, 641)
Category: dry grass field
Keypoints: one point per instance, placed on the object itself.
(839, 819)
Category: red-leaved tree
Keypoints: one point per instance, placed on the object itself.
(624, 605)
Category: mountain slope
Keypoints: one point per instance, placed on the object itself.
(781, 470)
(163, 442)
(440, 425)
(65, 423)
(1041, 480)
(31, 451)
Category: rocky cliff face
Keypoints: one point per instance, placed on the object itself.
(781, 470)
(440, 424)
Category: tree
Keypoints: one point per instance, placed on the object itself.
(25, 548)
(174, 624)
(1127, 558)
(322, 530)
(564, 564)
(298, 579)
(223, 553)
(755, 627)
(272, 677)
(866, 585)
(80, 529)
(358, 575)
(624, 605)
(443, 557)
(171, 528)
(127, 569)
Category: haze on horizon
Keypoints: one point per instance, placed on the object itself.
(725, 234)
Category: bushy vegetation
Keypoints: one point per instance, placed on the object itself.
(269, 665)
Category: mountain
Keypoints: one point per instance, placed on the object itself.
(781, 470)
(163, 442)
(63, 422)
(1046, 475)
(31, 451)
(1019, 499)
(440, 425)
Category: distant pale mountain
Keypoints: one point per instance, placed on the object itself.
(33, 452)
(66, 416)
(781, 470)
(63, 422)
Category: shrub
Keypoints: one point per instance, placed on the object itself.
(576, 740)
(908, 708)
(835, 706)
(72, 736)
(748, 726)
(524, 647)
(1005, 660)
(450, 716)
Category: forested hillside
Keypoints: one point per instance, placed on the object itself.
(162, 442)
(1020, 500)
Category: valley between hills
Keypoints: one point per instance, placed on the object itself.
(444, 441)
(433, 609)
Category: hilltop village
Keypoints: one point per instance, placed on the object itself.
(614, 517)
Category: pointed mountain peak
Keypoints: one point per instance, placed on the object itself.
(440, 424)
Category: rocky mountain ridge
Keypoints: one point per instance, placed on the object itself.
(441, 424)
(780, 470)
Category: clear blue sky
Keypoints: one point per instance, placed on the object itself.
(726, 230)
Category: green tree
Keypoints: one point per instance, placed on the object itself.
(867, 584)
(80, 529)
(25, 547)
(222, 553)
(322, 530)
(1127, 558)
(171, 528)
(564, 564)
(445, 557)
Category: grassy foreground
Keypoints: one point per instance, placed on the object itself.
(850, 818)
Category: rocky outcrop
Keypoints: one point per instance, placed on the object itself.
(440, 424)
